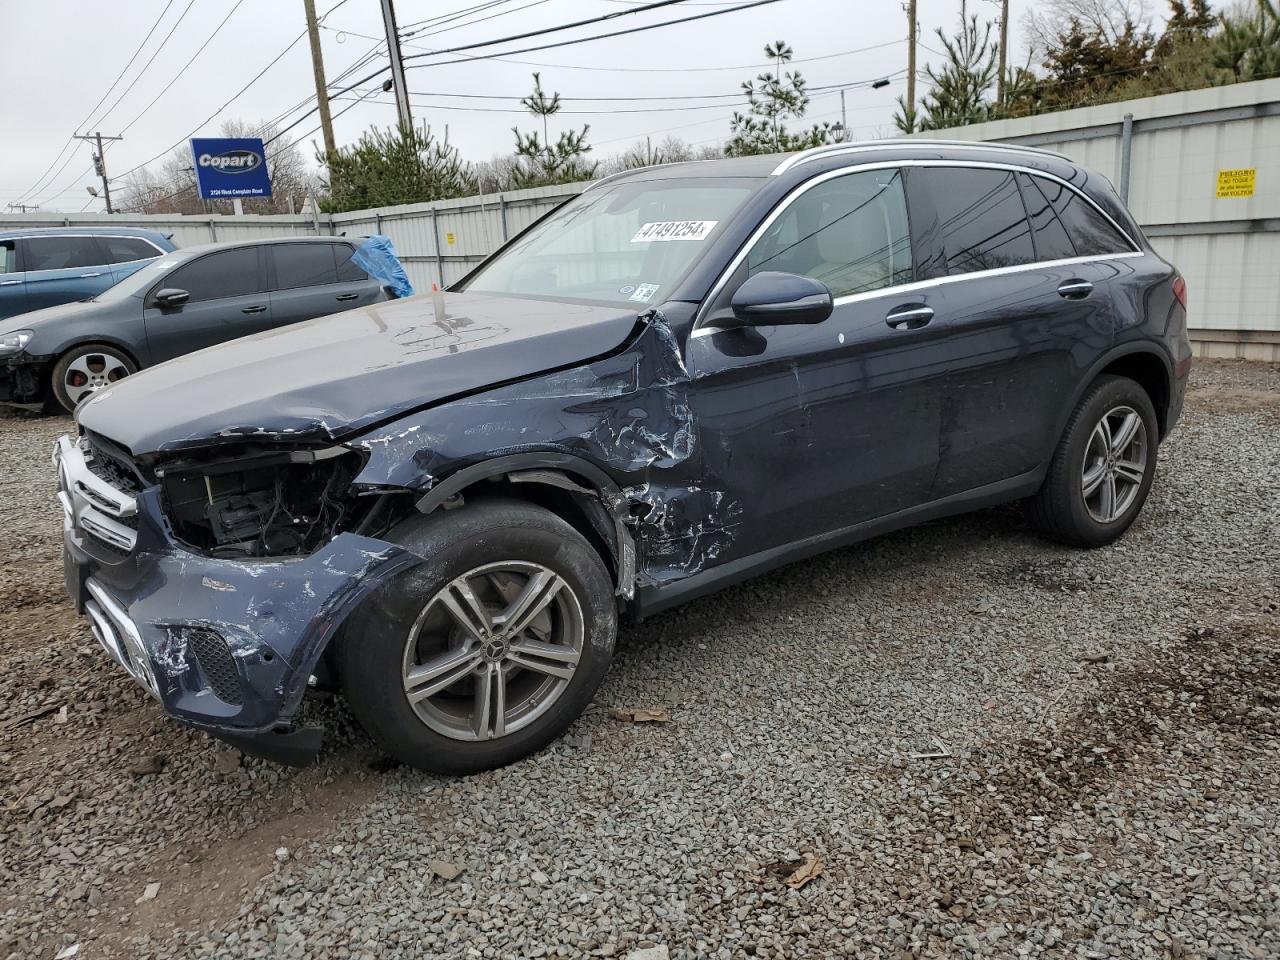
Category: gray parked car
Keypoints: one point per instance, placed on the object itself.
(186, 300)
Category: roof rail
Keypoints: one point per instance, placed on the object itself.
(837, 149)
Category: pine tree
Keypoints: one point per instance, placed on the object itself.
(541, 163)
(395, 166)
(772, 98)
(959, 91)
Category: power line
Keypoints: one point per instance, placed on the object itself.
(71, 139)
(168, 86)
(457, 26)
(455, 14)
(556, 29)
(145, 66)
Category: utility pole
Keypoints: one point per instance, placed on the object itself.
(1004, 45)
(397, 65)
(844, 121)
(322, 88)
(910, 110)
(24, 207)
(100, 164)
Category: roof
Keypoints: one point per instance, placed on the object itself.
(776, 164)
(228, 244)
(84, 232)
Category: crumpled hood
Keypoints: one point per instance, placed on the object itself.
(329, 378)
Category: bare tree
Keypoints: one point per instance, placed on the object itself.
(1107, 18)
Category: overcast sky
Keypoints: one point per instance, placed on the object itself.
(58, 56)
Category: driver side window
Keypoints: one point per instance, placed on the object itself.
(850, 232)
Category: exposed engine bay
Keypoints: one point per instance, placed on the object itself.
(282, 503)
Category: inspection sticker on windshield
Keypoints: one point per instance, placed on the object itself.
(644, 292)
(674, 230)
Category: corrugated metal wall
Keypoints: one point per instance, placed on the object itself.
(1228, 247)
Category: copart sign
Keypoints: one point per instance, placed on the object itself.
(229, 167)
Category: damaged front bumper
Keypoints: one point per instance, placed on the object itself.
(23, 379)
(224, 645)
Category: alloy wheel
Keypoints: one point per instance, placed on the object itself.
(493, 650)
(1115, 464)
(91, 372)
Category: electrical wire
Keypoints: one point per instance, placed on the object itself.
(430, 32)
(71, 139)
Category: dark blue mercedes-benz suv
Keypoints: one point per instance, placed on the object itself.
(685, 376)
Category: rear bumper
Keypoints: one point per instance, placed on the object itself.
(224, 645)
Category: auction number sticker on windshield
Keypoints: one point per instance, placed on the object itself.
(644, 292)
(674, 230)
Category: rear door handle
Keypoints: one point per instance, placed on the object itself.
(253, 309)
(347, 296)
(84, 275)
(1075, 289)
(911, 316)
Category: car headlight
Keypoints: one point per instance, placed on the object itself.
(14, 342)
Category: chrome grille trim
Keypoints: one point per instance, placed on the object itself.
(89, 503)
(119, 636)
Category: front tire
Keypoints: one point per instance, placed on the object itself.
(84, 370)
(1102, 469)
(490, 649)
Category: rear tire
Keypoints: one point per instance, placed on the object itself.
(84, 370)
(1102, 469)
(446, 669)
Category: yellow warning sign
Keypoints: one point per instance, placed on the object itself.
(450, 239)
(1236, 183)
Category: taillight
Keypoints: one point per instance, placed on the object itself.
(1180, 291)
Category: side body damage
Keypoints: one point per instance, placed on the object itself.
(237, 564)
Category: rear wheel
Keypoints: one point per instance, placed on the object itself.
(1103, 467)
(490, 649)
(86, 369)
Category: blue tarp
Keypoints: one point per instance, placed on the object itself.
(377, 257)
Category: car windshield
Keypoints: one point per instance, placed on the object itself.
(627, 243)
(137, 283)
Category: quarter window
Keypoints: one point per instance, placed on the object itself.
(1051, 240)
(849, 232)
(348, 270)
(1091, 233)
(60, 253)
(8, 257)
(229, 273)
(981, 222)
(126, 249)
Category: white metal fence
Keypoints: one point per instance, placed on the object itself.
(1228, 247)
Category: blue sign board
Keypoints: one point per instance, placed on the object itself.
(230, 167)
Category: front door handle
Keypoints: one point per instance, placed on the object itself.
(86, 275)
(253, 309)
(910, 316)
(346, 296)
(1075, 289)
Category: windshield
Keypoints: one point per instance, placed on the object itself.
(627, 243)
(138, 282)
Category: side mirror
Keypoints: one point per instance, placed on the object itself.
(772, 298)
(171, 297)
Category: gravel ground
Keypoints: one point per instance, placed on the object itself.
(994, 746)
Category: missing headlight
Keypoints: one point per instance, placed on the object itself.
(266, 506)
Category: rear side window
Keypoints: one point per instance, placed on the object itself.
(125, 249)
(304, 264)
(1050, 236)
(849, 232)
(981, 222)
(8, 256)
(230, 273)
(60, 253)
(348, 270)
(1091, 233)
